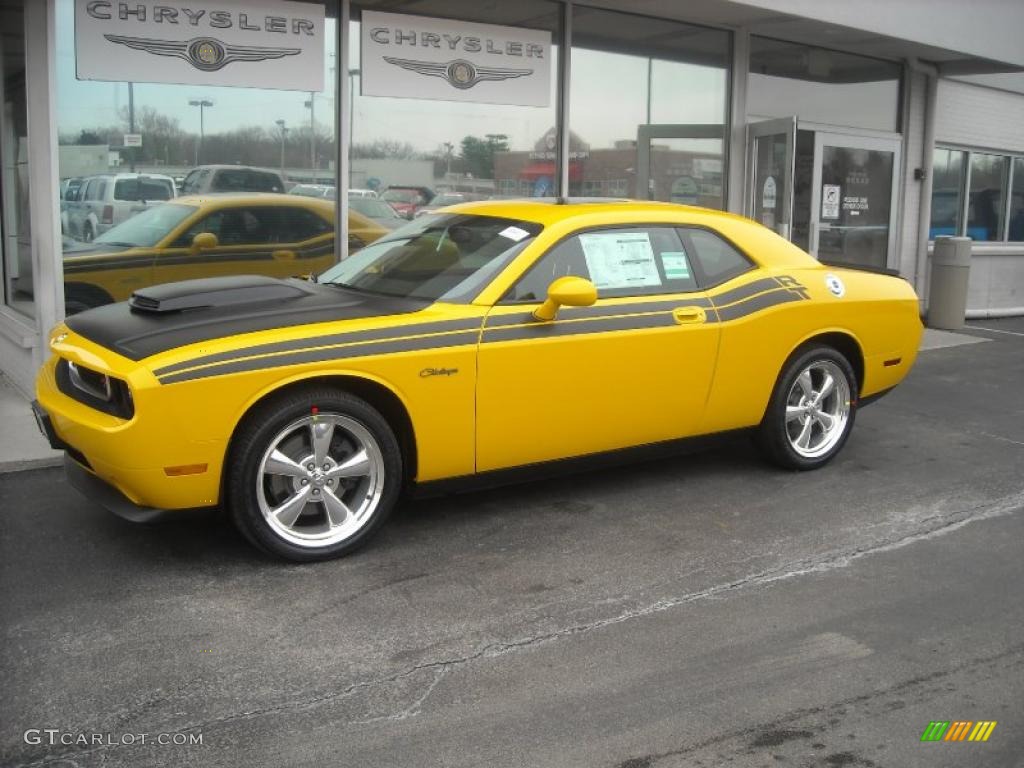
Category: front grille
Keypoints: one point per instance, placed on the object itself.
(89, 387)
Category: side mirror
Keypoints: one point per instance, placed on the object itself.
(204, 241)
(570, 291)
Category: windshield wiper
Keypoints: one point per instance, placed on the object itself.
(117, 242)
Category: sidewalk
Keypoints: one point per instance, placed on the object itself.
(23, 447)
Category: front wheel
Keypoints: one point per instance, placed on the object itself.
(313, 474)
(811, 411)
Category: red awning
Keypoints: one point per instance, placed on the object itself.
(539, 170)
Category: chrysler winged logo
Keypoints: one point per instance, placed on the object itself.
(459, 72)
(204, 53)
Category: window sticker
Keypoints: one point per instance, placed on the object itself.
(514, 233)
(675, 264)
(620, 259)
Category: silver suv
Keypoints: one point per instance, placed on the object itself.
(103, 201)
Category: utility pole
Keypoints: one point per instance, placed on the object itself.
(131, 121)
(202, 104)
(312, 134)
(284, 131)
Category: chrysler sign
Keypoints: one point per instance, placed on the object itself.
(423, 58)
(249, 43)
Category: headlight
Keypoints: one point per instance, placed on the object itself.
(97, 390)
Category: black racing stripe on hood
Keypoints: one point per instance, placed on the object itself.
(137, 335)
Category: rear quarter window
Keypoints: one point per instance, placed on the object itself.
(244, 180)
(717, 258)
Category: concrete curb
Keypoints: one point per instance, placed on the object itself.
(24, 465)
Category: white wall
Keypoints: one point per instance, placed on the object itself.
(981, 117)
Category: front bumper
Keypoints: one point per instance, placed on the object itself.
(108, 497)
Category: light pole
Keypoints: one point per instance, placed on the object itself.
(284, 131)
(202, 104)
(312, 134)
(351, 103)
(448, 147)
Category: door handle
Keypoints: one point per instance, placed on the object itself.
(684, 315)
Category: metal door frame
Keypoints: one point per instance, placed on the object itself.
(788, 127)
(834, 137)
(644, 135)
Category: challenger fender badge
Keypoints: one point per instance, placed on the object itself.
(428, 372)
(835, 285)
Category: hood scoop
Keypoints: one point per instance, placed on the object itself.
(215, 292)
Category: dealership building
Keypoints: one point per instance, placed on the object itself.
(860, 130)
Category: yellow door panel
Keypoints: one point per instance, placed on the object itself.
(623, 372)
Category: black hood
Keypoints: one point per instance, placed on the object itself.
(167, 316)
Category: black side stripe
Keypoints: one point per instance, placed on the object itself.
(514, 327)
(756, 304)
(376, 334)
(151, 258)
(599, 325)
(745, 291)
(608, 310)
(326, 355)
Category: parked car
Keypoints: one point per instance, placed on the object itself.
(68, 194)
(441, 200)
(326, 191)
(107, 200)
(192, 236)
(490, 337)
(407, 200)
(378, 210)
(232, 178)
(361, 193)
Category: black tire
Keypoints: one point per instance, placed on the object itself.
(80, 297)
(250, 490)
(774, 435)
(87, 234)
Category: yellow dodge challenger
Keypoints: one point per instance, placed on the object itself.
(207, 236)
(484, 339)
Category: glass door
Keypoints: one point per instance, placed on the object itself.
(769, 199)
(853, 200)
(681, 164)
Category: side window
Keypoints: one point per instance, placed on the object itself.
(297, 224)
(642, 261)
(232, 226)
(92, 190)
(101, 193)
(717, 259)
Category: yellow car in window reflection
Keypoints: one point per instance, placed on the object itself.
(483, 339)
(208, 236)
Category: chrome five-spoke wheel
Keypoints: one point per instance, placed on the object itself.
(320, 479)
(812, 409)
(817, 409)
(313, 473)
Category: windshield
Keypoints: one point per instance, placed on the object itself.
(375, 209)
(148, 228)
(447, 257)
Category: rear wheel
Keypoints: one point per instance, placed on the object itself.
(313, 474)
(80, 297)
(87, 233)
(811, 411)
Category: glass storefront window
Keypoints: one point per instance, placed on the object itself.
(15, 234)
(987, 196)
(1016, 232)
(127, 205)
(947, 191)
(420, 153)
(634, 72)
(819, 85)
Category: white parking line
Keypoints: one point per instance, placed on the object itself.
(995, 330)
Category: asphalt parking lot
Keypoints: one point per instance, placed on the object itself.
(703, 610)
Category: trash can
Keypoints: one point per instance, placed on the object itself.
(947, 288)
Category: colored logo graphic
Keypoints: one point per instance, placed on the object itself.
(204, 53)
(459, 73)
(958, 730)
